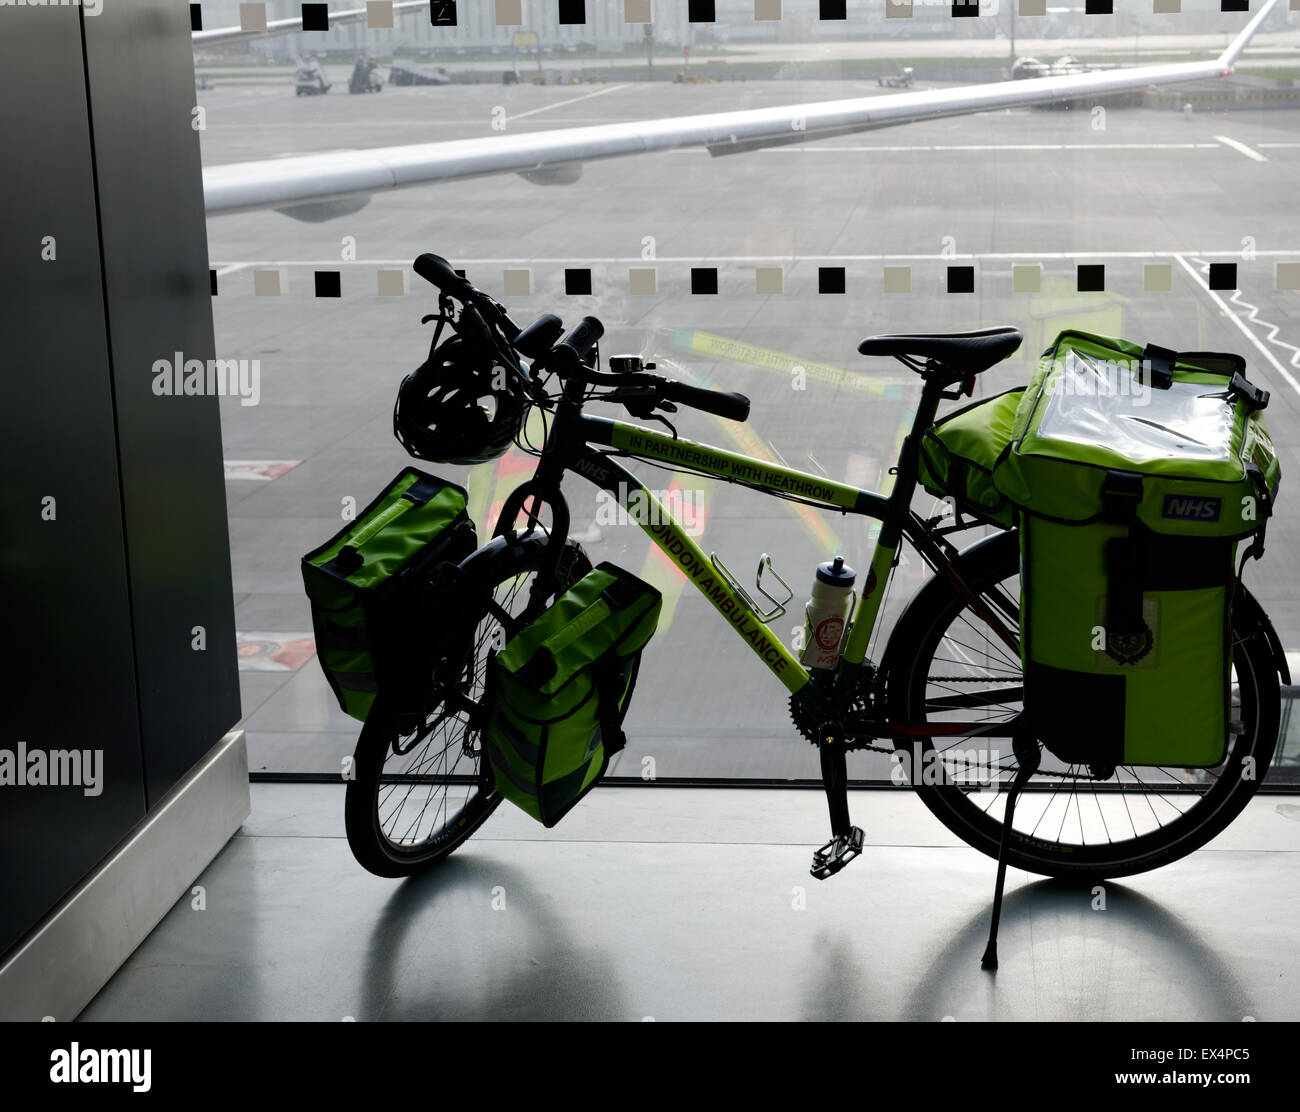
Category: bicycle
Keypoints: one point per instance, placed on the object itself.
(945, 693)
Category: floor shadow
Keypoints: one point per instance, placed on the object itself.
(1060, 912)
(439, 932)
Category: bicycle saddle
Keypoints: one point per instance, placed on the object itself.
(969, 352)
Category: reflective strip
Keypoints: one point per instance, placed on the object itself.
(503, 767)
(345, 638)
(525, 748)
(560, 794)
(356, 681)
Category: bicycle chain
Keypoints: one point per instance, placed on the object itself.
(807, 725)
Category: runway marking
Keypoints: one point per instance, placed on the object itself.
(1242, 148)
(562, 103)
(1277, 146)
(1002, 147)
(230, 268)
(1236, 319)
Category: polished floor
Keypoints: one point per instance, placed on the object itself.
(696, 904)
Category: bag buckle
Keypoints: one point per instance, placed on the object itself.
(348, 560)
(1159, 364)
(1252, 395)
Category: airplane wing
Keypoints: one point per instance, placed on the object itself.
(317, 187)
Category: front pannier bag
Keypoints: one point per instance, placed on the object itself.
(376, 626)
(959, 451)
(1135, 473)
(559, 690)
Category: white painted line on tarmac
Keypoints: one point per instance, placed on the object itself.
(1236, 319)
(1249, 152)
(562, 103)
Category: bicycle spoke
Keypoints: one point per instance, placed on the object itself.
(432, 773)
(969, 678)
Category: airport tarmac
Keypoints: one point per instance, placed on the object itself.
(1129, 189)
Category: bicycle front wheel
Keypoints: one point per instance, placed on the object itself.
(945, 664)
(419, 786)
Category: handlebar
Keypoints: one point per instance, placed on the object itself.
(480, 313)
(581, 339)
(484, 314)
(437, 271)
(734, 407)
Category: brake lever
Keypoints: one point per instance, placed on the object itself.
(641, 400)
(663, 421)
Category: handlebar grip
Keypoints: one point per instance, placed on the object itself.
(437, 271)
(734, 407)
(584, 335)
(473, 324)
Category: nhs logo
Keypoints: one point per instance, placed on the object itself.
(1191, 509)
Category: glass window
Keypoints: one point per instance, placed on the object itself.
(1164, 216)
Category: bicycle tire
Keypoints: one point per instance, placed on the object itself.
(385, 763)
(975, 816)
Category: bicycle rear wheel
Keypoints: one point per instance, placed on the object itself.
(944, 663)
(420, 787)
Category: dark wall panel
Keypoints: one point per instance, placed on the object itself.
(141, 71)
(68, 676)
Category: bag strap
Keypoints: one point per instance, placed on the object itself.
(622, 593)
(349, 558)
(608, 674)
(617, 596)
(385, 516)
(1161, 361)
(424, 490)
(1265, 502)
(1121, 493)
(565, 636)
(1224, 363)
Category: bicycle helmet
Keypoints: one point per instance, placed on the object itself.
(459, 406)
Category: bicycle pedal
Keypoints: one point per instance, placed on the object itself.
(837, 853)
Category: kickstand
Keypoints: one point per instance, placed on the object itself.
(1027, 753)
(846, 839)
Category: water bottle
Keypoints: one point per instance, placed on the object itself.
(827, 613)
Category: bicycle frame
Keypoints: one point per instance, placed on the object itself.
(568, 448)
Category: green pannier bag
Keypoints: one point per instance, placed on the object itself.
(1135, 473)
(374, 619)
(560, 688)
(959, 451)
